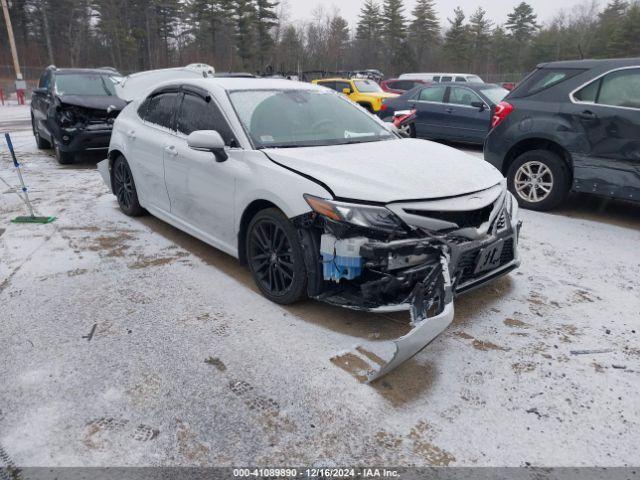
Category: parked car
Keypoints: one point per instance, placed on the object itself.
(366, 93)
(73, 110)
(319, 198)
(448, 111)
(442, 77)
(572, 125)
(399, 86)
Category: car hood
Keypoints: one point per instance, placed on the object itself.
(388, 171)
(98, 102)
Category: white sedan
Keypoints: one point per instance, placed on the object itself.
(317, 196)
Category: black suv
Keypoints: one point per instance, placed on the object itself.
(73, 110)
(571, 125)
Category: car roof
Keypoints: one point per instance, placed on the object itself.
(471, 85)
(233, 83)
(435, 74)
(87, 71)
(592, 63)
(335, 79)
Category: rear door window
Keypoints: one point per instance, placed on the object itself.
(463, 96)
(432, 94)
(436, 79)
(621, 89)
(542, 79)
(616, 89)
(159, 109)
(446, 79)
(200, 113)
(461, 79)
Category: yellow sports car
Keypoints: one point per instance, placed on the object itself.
(362, 91)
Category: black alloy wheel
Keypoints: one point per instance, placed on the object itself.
(275, 257)
(125, 188)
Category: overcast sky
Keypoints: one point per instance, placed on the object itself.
(496, 9)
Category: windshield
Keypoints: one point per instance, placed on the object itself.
(303, 118)
(496, 94)
(367, 86)
(86, 84)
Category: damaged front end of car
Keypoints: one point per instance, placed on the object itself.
(407, 256)
(84, 125)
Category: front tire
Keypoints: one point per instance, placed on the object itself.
(63, 158)
(125, 188)
(41, 143)
(275, 257)
(539, 179)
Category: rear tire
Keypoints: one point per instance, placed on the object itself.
(125, 188)
(275, 257)
(539, 179)
(63, 158)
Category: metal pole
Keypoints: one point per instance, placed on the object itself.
(17, 165)
(12, 40)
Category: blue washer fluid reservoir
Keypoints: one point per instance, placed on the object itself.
(341, 257)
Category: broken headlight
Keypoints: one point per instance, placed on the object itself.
(368, 216)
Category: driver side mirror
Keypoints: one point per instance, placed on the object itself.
(208, 141)
(479, 105)
(40, 91)
(346, 91)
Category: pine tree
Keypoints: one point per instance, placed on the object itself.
(424, 32)
(457, 42)
(479, 38)
(625, 40)
(394, 35)
(521, 23)
(368, 33)
(338, 40)
(266, 19)
(245, 32)
(610, 22)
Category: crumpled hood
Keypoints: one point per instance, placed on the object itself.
(98, 102)
(388, 171)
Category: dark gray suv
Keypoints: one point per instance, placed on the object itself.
(572, 125)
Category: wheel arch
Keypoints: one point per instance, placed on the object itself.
(538, 143)
(111, 156)
(249, 212)
(366, 104)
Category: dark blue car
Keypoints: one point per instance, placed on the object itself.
(448, 111)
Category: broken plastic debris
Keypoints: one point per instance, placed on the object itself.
(369, 364)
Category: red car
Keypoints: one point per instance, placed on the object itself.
(398, 85)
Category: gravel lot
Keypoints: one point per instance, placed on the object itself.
(128, 342)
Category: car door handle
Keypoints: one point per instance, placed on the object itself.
(588, 115)
(131, 134)
(171, 150)
(449, 110)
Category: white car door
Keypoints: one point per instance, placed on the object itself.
(146, 147)
(201, 189)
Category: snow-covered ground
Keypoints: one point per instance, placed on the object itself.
(127, 342)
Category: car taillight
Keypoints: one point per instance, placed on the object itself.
(502, 111)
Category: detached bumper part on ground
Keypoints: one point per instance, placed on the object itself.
(418, 270)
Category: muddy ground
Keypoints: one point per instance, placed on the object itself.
(128, 342)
